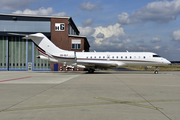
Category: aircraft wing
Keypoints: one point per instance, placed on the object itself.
(100, 64)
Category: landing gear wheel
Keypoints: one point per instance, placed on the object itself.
(155, 72)
(91, 70)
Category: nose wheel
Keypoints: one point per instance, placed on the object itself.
(156, 70)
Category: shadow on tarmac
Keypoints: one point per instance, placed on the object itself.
(120, 71)
(111, 71)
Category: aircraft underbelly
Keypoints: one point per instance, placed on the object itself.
(142, 63)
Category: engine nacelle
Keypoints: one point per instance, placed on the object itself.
(46, 58)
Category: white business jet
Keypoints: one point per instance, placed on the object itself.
(93, 60)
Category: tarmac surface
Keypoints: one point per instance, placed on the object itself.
(104, 95)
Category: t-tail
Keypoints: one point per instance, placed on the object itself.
(48, 50)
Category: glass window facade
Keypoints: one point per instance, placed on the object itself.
(39, 64)
(72, 31)
(16, 53)
(25, 26)
(3, 52)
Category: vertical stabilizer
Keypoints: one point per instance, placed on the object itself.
(44, 43)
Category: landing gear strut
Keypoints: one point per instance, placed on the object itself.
(156, 70)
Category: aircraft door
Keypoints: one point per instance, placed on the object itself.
(108, 57)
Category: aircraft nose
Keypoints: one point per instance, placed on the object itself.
(167, 62)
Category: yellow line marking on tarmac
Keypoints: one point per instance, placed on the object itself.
(88, 104)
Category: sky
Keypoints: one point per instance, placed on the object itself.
(115, 25)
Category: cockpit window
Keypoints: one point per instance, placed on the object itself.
(156, 56)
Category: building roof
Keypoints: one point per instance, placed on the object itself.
(30, 15)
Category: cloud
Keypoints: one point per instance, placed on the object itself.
(124, 18)
(61, 14)
(155, 40)
(87, 31)
(12, 5)
(176, 35)
(40, 11)
(112, 43)
(100, 35)
(157, 47)
(158, 11)
(126, 41)
(141, 47)
(110, 38)
(89, 6)
(88, 22)
(111, 30)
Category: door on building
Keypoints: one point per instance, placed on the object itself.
(3, 53)
(17, 53)
(39, 64)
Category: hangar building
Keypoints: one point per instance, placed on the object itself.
(17, 54)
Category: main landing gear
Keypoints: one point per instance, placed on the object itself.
(156, 70)
(91, 70)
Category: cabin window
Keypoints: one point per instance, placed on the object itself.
(99, 56)
(117, 57)
(91, 56)
(144, 57)
(130, 57)
(94, 56)
(122, 57)
(87, 57)
(126, 57)
(103, 56)
(113, 57)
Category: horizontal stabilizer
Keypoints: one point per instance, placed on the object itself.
(17, 34)
(27, 36)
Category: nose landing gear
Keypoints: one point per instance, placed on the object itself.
(156, 70)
